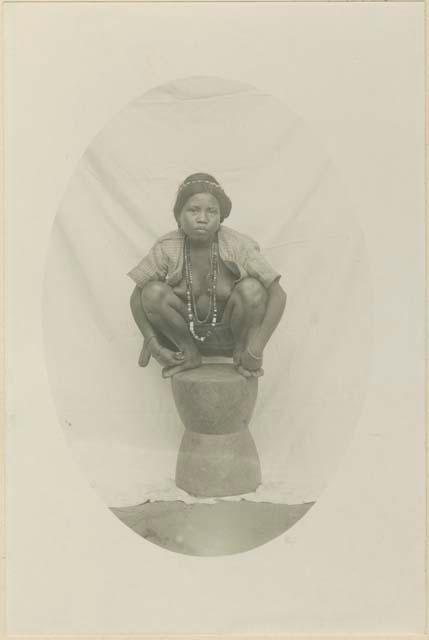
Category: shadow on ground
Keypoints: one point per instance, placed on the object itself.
(216, 529)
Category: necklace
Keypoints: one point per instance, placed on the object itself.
(193, 318)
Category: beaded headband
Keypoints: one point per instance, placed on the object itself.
(212, 184)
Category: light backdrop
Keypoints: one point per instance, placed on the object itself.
(120, 419)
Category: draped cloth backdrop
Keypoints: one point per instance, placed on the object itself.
(120, 419)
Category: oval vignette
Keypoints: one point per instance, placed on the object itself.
(119, 419)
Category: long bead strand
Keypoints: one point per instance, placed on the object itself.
(190, 299)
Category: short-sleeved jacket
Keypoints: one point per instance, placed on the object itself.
(239, 253)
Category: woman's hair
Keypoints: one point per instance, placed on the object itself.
(201, 183)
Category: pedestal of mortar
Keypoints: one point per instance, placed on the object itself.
(217, 456)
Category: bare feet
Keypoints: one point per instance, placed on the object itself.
(253, 373)
(191, 360)
(247, 365)
(165, 357)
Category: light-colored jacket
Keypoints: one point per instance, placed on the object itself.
(239, 253)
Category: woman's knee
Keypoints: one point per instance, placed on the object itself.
(252, 293)
(154, 294)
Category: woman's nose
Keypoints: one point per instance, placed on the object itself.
(202, 216)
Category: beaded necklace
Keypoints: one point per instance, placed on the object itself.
(193, 318)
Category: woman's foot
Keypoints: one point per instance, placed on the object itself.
(248, 365)
(191, 360)
(254, 373)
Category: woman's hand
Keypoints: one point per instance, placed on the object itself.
(249, 364)
(164, 356)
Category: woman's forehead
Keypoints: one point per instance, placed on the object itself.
(203, 198)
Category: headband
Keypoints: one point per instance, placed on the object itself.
(212, 184)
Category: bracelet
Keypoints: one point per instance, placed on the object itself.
(252, 355)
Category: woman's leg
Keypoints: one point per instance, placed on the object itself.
(245, 312)
(167, 313)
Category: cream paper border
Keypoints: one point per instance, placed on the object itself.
(3, 405)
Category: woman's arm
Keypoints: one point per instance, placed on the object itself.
(139, 315)
(275, 307)
(151, 346)
(143, 324)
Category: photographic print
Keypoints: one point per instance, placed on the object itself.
(211, 259)
(215, 279)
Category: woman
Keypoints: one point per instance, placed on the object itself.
(205, 289)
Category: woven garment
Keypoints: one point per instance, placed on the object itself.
(237, 251)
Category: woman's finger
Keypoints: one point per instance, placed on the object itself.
(144, 355)
(236, 358)
(244, 372)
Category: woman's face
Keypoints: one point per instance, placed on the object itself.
(200, 217)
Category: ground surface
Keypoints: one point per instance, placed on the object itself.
(210, 529)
